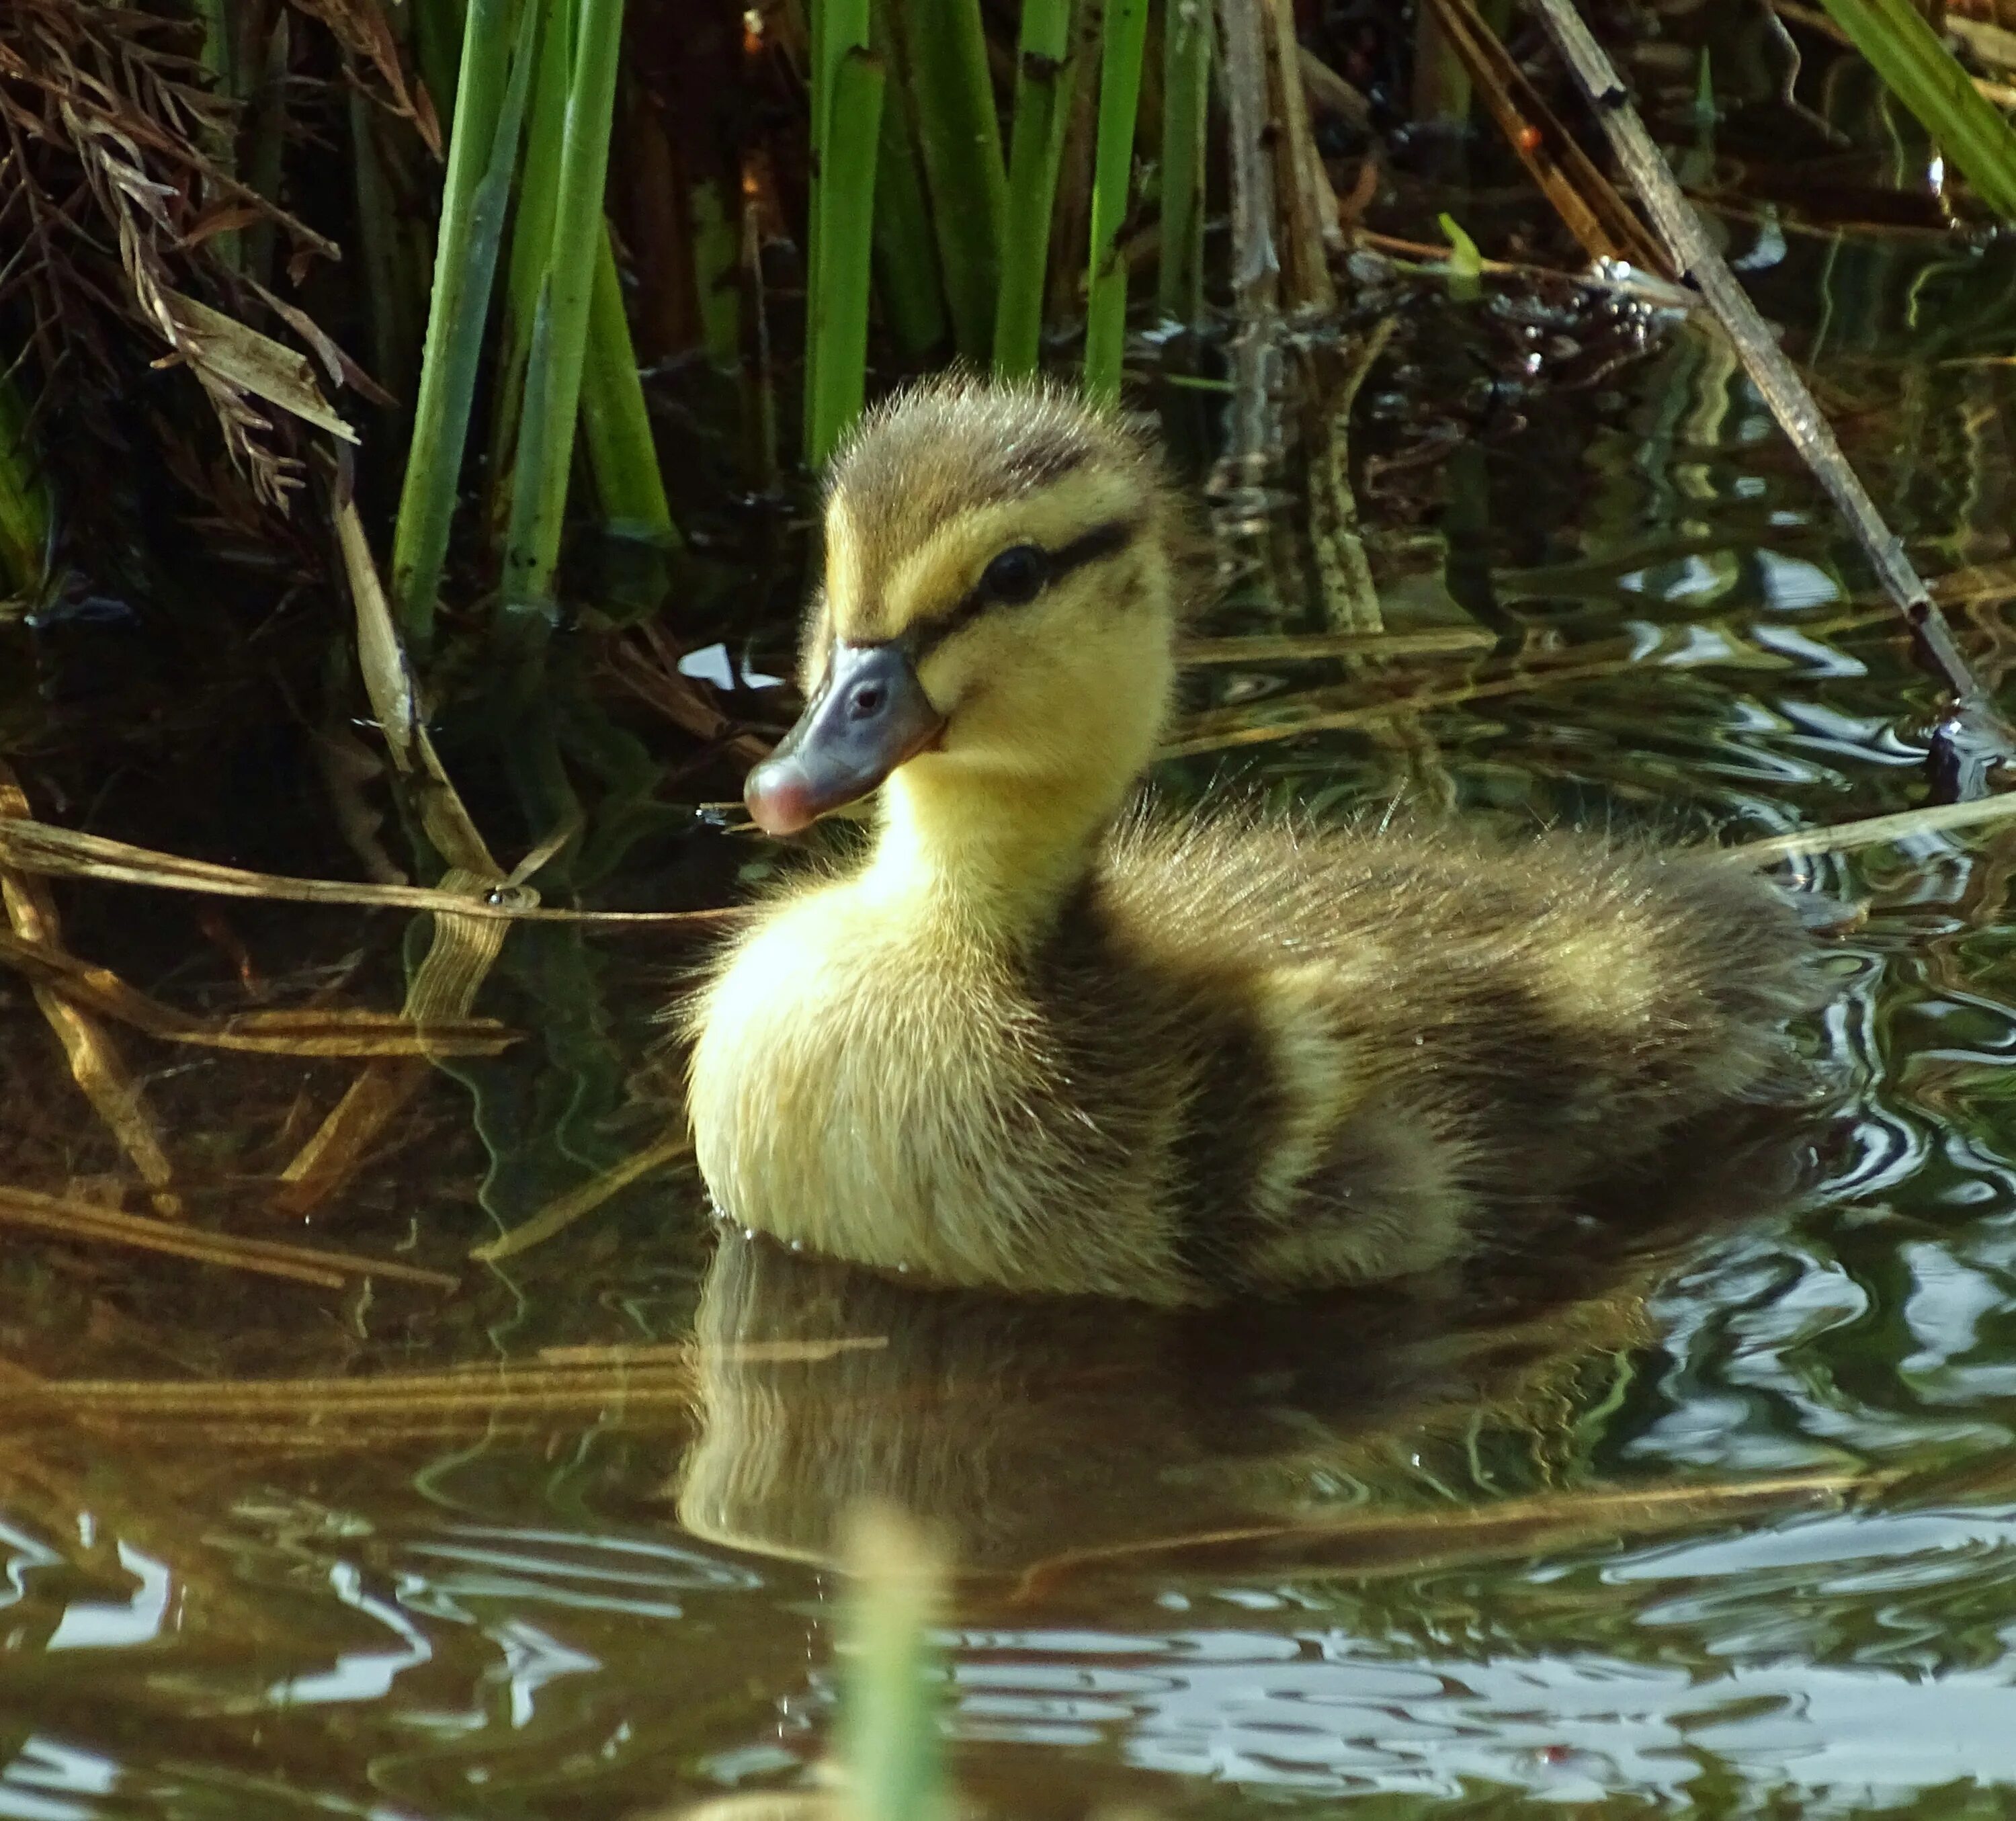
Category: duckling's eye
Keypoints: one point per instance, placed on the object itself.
(1017, 575)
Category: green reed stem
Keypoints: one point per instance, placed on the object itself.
(961, 138)
(1043, 79)
(1186, 129)
(24, 498)
(820, 78)
(532, 547)
(840, 28)
(838, 328)
(482, 156)
(438, 28)
(889, 1739)
(622, 455)
(394, 238)
(1441, 82)
(533, 209)
(1113, 169)
(839, 202)
(1923, 74)
(908, 278)
(717, 257)
(218, 54)
(269, 121)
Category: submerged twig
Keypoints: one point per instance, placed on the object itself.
(1267, 648)
(81, 988)
(1350, 600)
(1977, 736)
(563, 1211)
(374, 1411)
(95, 1060)
(1215, 730)
(1408, 1542)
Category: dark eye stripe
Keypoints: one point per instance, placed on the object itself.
(1101, 541)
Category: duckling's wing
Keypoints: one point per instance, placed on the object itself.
(1555, 1005)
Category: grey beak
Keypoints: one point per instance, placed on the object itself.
(870, 716)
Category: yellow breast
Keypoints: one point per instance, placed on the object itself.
(856, 1089)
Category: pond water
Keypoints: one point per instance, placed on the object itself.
(1713, 1509)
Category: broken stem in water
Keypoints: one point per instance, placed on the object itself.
(1975, 737)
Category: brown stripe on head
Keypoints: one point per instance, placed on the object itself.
(943, 450)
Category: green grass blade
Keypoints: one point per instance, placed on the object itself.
(908, 277)
(532, 553)
(1186, 130)
(622, 455)
(946, 54)
(1920, 72)
(838, 328)
(1043, 79)
(839, 28)
(483, 154)
(1105, 287)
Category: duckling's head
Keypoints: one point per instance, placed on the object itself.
(997, 626)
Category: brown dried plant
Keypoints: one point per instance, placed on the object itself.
(111, 203)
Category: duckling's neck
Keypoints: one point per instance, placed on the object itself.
(1001, 854)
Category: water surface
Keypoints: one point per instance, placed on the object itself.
(1713, 1508)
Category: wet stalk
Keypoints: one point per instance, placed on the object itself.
(1186, 129)
(1105, 287)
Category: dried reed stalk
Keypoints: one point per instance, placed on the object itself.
(84, 1221)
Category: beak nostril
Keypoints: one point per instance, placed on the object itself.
(865, 701)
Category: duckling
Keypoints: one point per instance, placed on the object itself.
(1039, 1041)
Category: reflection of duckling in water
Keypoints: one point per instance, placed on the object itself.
(1033, 1044)
(1014, 1428)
